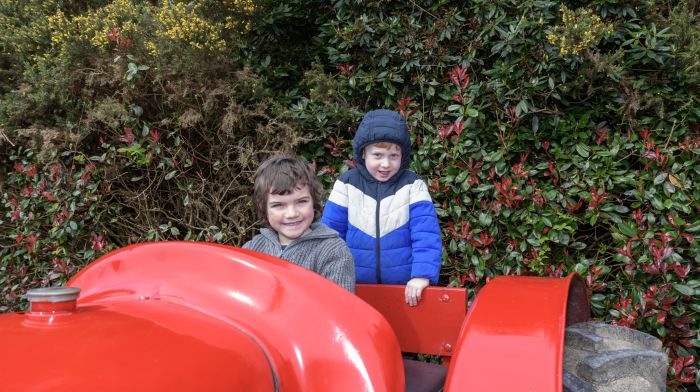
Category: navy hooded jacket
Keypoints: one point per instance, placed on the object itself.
(390, 227)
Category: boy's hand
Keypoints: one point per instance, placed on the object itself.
(414, 288)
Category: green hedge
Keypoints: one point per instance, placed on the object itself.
(554, 138)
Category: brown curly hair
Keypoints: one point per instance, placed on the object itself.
(281, 175)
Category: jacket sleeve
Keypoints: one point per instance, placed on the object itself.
(426, 241)
(335, 212)
(339, 266)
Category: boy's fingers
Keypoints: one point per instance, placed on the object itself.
(412, 296)
(414, 288)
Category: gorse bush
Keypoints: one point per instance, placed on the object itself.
(152, 103)
(555, 137)
(90, 54)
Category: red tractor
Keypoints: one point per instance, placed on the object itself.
(177, 316)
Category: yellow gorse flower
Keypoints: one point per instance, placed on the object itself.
(578, 30)
(153, 27)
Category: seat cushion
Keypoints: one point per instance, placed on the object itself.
(423, 376)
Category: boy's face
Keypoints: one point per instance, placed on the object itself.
(290, 215)
(382, 163)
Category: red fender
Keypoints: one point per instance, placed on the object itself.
(198, 316)
(513, 336)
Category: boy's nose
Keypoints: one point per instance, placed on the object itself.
(291, 211)
(384, 162)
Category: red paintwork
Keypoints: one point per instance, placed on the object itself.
(195, 316)
(129, 346)
(513, 337)
(432, 327)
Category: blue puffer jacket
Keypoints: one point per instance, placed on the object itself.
(390, 227)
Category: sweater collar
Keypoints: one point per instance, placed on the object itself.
(318, 230)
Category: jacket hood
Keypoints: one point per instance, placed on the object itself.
(382, 125)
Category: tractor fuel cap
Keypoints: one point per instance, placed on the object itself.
(53, 299)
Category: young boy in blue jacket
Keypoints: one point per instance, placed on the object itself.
(384, 211)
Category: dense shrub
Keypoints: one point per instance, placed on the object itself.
(152, 120)
(555, 138)
(53, 215)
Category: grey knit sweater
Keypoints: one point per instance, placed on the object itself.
(321, 251)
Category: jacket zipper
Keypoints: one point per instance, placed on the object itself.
(378, 247)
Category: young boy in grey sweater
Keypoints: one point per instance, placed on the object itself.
(287, 198)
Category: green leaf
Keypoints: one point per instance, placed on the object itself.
(583, 150)
(578, 245)
(485, 219)
(472, 112)
(660, 178)
(485, 187)
(668, 203)
(627, 229)
(621, 209)
(521, 108)
(494, 156)
(170, 175)
(475, 260)
(564, 238)
(597, 298)
(686, 290)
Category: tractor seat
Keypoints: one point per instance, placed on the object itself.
(423, 376)
(430, 328)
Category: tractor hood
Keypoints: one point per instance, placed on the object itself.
(142, 345)
(184, 316)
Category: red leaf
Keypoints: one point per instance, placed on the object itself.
(661, 317)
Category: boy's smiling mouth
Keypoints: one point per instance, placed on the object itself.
(293, 223)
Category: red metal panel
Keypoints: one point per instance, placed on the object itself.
(129, 346)
(183, 312)
(513, 336)
(431, 327)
